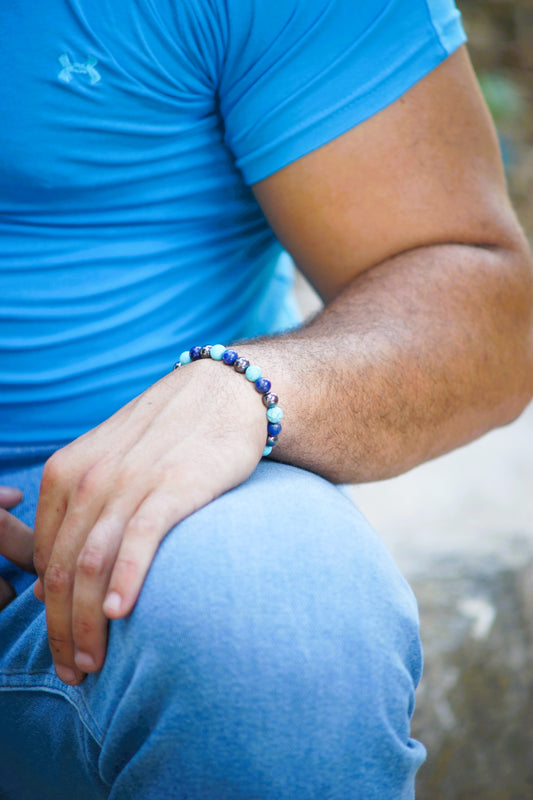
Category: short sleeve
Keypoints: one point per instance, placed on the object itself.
(298, 73)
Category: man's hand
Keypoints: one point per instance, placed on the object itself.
(16, 540)
(109, 498)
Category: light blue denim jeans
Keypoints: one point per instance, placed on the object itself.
(273, 655)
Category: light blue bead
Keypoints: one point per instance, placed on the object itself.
(253, 373)
(267, 451)
(217, 351)
(274, 414)
(185, 357)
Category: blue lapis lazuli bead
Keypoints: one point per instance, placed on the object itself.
(274, 414)
(274, 428)
(195, 353)
(263, 385)
(230, 357)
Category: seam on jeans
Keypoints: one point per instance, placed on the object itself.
(44, 682)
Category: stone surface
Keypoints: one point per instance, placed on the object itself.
(461, 530)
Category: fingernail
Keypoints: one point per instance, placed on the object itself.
(85, 662)
(112, 603)
(65, 674)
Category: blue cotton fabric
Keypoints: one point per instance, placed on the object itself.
(131, 133)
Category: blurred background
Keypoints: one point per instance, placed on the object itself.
(461, 527)
(500, 36)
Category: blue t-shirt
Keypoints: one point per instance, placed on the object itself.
(131, 131)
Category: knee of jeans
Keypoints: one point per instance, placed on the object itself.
(272, 617)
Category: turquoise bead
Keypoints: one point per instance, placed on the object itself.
(185, 357)
(274, 414)
(253, 373)
(267, 451)
(217, 352)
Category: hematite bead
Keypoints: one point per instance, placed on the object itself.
(205, 352)
(195, 353)
(270, 399)
(241, 364)
(230, 357)
(263, 385)
(271, 441)
(273, 428)
(177, 365)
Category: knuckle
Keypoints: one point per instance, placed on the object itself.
(89, 484)
(57, 643)
(91, 562)
(84, 627)
(127, 567)
(142, 527)
(57, 580)
(53, 470)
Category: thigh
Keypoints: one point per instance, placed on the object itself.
(273, 654)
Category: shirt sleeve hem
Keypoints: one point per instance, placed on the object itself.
(320, 130)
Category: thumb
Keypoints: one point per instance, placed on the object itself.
(7, 593)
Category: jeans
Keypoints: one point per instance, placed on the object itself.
(273, 655)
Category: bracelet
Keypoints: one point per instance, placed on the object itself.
(231, 358)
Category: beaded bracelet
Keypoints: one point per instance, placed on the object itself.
(232, 359)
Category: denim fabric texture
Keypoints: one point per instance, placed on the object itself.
(273, 654)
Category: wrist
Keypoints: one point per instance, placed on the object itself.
(228, 360)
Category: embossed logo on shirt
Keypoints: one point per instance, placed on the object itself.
(77, 68)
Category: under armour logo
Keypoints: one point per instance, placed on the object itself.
(69, 68)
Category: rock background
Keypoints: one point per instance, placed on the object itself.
(461, 530)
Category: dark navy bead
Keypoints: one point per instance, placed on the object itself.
(229, 357)
(241, 364)
(270, 399)
(273, 428)
(263, 385)
(195, 353)
(271, 441)
(206, 351)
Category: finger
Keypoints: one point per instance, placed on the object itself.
(16, 541)
(38, 590)
(58, 593)
(156, 515)
(7, 593)
(51, 510)
(9, 496)
(58, 586)
(93, 569)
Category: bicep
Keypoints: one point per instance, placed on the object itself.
(423, 171)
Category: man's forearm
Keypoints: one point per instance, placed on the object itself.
(418, 355)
